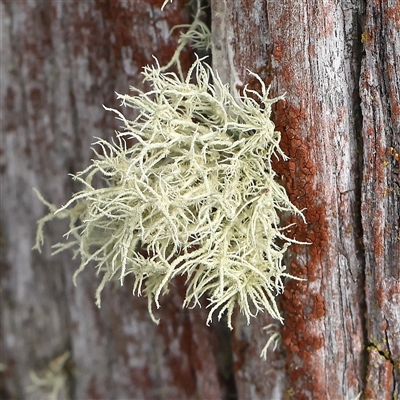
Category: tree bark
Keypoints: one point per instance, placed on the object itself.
(380, 206)
(61, 62)
(338, 63)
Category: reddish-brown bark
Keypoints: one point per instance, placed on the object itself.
(343, 170)
(380, 205)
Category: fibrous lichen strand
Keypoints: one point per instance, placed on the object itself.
(194, 196)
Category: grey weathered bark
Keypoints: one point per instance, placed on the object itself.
(380, 205)
(338, 63)
(60, 62)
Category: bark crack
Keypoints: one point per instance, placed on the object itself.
(358, 126)
(387, 356)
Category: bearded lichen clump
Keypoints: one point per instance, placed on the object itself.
(194, 195)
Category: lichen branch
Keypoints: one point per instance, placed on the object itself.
(196, 193)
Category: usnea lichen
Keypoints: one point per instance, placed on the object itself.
(53, 379)
(195, 195)
(165, 3)
(274, 340)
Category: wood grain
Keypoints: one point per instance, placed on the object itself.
(338, 63)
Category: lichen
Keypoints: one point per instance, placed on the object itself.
(52, 379)
(195, 195)
(165, 3)
(274, 340)
(197, 35)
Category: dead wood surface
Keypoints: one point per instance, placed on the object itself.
(339, 65)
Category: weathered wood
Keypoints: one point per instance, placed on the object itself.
(343, 169)
(380, 201)
(60, 62)
(338, 63)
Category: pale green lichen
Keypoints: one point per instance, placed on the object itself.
(195, 195)
(197, 34)
(53, 379)
(165, 3)
(274, 340)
